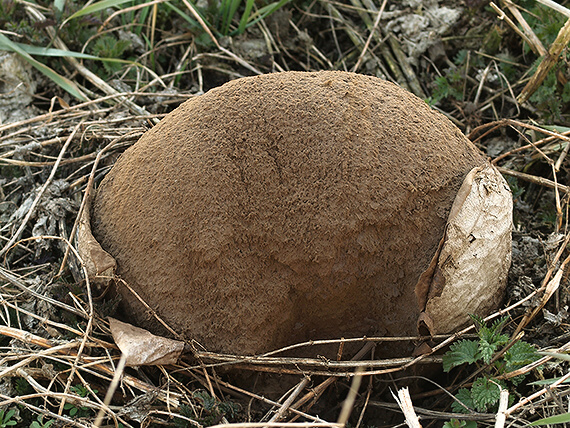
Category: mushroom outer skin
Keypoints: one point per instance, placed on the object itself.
(282, 208)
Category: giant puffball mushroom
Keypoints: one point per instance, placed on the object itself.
(298, 206)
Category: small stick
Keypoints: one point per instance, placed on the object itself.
(550, 59)
(287, 404)
(348, 403)
(536, 46)
(534, 179)
(369, 39)
(534, 40)
(503, 403)
(557, 7)
(405, 402)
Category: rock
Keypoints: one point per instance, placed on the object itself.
(282, 208)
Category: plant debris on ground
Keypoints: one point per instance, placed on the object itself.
(81, 83)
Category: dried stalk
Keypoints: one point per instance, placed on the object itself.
(550, 59)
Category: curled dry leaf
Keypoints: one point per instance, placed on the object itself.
(142, 347)
(469, 271)
(100, 265)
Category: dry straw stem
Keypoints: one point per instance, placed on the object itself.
(527, 34)
(534, 179)
(69, 112)
(127, 10)
(8, 276)
(373, 30)
(204, 26)
(549, 60)
(493, 126)
(400, 68)
(529, 367)
(530, 398)
(348, 403)
(304, 364)
(265, 400)
(557, 7)
(22, 401)
(171, 398)
(281, 413)
(434, 414)
(405, 402)
(503, 404)
(548, 287)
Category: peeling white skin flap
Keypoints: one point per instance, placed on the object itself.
(142, 347)
(473, 262)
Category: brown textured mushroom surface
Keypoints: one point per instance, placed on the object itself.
(281, 208)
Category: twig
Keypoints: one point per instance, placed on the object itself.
(531, 397)
(405, 402)
(369, 39)
(348, 403)
(503, 404)
(111, 390)
(533, 40)
(14, 280)
(534, 43)
(550, 59)
(285, 406)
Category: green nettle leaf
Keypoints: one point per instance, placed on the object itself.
(520, 354)
(499, 324)
(487, 350)
(484, 394)
(493, 336)
(463, 395)
(465, 351)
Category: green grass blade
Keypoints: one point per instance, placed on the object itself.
(35, 50)
(245, 17)
(62, 81)
(96, 7)
(187, 17)
(557, 419)
(52, 52)
(234, 4)
(265, 11)
(556, 128)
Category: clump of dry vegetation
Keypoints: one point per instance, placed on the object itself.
(78, 86)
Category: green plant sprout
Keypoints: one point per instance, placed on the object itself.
(485, 392)
(80, 411)
(6, 418)
(39, 422)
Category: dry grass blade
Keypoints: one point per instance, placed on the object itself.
(549, 60)
(404, 400)
(527, 33)
(369, 39)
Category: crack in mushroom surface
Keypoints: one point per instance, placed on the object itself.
(282, 208)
